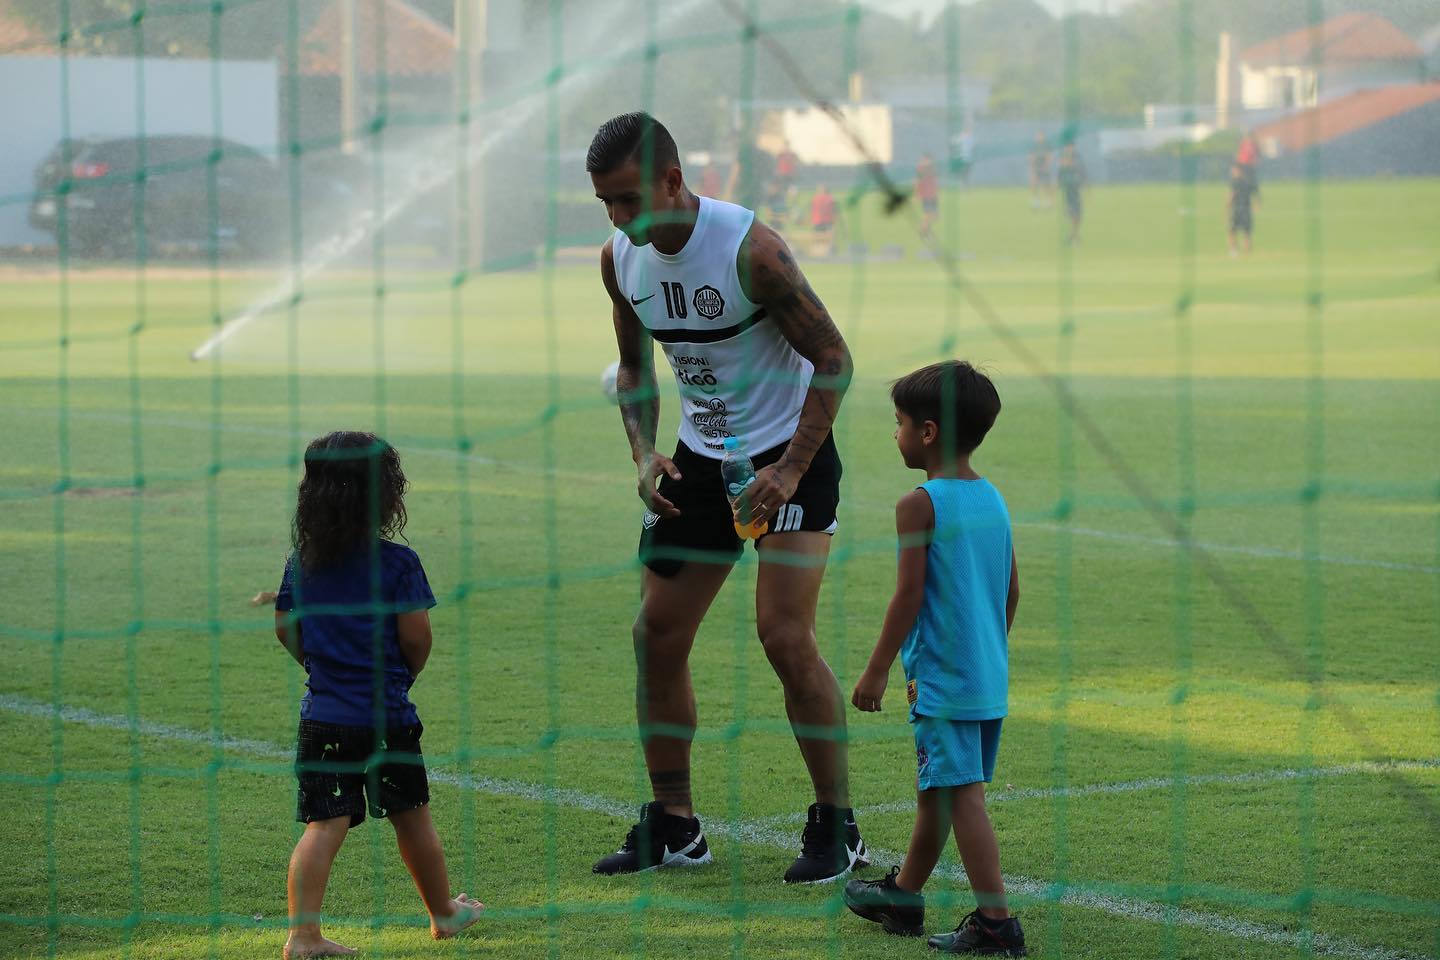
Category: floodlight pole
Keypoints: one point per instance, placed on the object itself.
(1222, 83)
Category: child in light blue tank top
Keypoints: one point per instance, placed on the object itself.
(955, 597)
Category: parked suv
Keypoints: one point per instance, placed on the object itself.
(182, 209)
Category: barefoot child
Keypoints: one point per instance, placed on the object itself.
(955, 598)
(369, 631)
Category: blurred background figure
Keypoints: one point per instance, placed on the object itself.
(1247, 158)
(1244, 193)
(822, 222)
(710, 185)
(1071, 175)
(927, 191)
(787, 166)
(965, 153)
(1041, 196)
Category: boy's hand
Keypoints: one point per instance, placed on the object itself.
(869, 689)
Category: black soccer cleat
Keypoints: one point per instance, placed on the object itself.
(659, 840)
(977, 936)
(899, 911)
(830, 847)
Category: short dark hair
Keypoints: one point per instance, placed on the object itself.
(636, 137)
(961, 401)
(352, 493)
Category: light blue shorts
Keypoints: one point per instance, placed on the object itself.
(952, 753)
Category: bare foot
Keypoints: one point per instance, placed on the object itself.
(465, 911)
(297, 948)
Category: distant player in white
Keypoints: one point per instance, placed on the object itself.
(755, 356)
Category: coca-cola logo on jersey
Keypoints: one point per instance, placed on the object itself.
(711, 419)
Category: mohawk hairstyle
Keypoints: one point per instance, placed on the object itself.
(636, 137)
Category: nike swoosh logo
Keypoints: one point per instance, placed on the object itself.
(641, 300)
(667, 854)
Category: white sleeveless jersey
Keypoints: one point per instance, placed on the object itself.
(738, 377)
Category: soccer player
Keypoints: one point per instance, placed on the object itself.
(822, 220)
(1244, 191)
(755, 356)
(710, 184)
(927, 190)
(1247, 156)
(1040, 173)
(350, 502)
(965, 153)
(955, 597)
(1070, 173)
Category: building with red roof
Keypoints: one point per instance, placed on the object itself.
(391, 38)
(1305, 67)
(18, 37)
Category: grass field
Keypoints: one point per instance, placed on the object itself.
(1190, 768)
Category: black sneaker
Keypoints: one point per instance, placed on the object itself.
(899, 911)
(829, 848)
(660, 839)
(974, 935)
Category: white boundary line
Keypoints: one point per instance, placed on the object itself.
(1155, 783)
(761, 834)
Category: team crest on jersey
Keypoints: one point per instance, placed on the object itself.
(912, 691)
(651, 518)
(708, 302)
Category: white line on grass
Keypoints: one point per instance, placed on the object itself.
(1320, 944)
(760, 833)
(1154, 783)
(261, 748)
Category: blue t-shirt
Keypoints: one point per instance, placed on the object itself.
(957, 655)
(341, 609)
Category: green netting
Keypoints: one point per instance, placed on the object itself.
(1223, 476)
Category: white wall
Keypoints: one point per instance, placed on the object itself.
(1147, 138)
(180, 97)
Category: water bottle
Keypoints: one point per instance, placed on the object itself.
(738, 473)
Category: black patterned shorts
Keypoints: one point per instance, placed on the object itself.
(705, 529)
(339, 772)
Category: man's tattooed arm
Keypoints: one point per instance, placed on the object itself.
(771, 277)
(635, 380)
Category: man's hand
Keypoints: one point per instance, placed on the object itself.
(771, 490)
(651, 466)
(869, 689)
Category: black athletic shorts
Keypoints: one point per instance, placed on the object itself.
(337, 774)
(705, 529)
(1240, 220)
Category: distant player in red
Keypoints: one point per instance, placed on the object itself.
(710, 182)
(1247, 155)
(927, 191)
(787, 164)
(822, 219)
(1244, 194)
